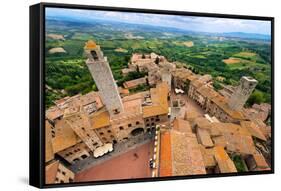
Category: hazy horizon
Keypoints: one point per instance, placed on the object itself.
(191, 23)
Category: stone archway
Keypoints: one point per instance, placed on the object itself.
(137, 131)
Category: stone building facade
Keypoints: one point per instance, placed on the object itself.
(56, 172)
(75, 153)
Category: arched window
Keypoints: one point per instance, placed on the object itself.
(94, 55)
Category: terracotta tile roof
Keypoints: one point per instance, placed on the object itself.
(237, 139)
(165, 168)
(182, 125)
(49, 153)
(186, 155)
(184, 74)
(90, 45)
(100, 119)
(197, 83)
(64, 137)
(230, 128)
(159, 98)
(207, 92)
(222, 103)
(92, 97)
(127, 70)
(123, 91)
(61, 101)
(202, 122)
(51, 172)
(204, 137)
(54, 113)
(214, 131)
(191, 115)
(253, 129)
(225, 164)
(132, 108)
(139, 95)
(208, 156)
(219, 141)
(134, 83)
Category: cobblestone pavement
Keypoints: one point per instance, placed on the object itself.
(119, 148)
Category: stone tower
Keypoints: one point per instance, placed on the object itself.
(242, 92)
(101, 73)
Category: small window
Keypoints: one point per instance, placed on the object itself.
(101, 133)
(129, 125)
(88, 135)
(157, 119)
(94, 55)
(61, 181)
(83, 128)
(75, 160)
(121, 128)
(147, 124)
(70, 180)
(137, 123)
(84, 156)
(63, 172)
(109, 131)
(152, 119)
(147, 120)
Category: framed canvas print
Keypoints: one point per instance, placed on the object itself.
(123, 95)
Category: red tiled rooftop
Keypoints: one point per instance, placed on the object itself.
(165, 168)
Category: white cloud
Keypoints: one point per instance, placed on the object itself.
(204, 24)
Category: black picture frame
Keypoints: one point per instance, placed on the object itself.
(37, 93)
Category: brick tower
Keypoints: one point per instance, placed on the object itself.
(101, 73)
(242, 92)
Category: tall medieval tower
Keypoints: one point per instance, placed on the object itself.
(242, 92)
(101, 73)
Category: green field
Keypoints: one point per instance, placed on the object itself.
(67, 74)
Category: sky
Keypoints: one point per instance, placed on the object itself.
(193, 23)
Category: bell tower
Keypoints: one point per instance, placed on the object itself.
(102, 75)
